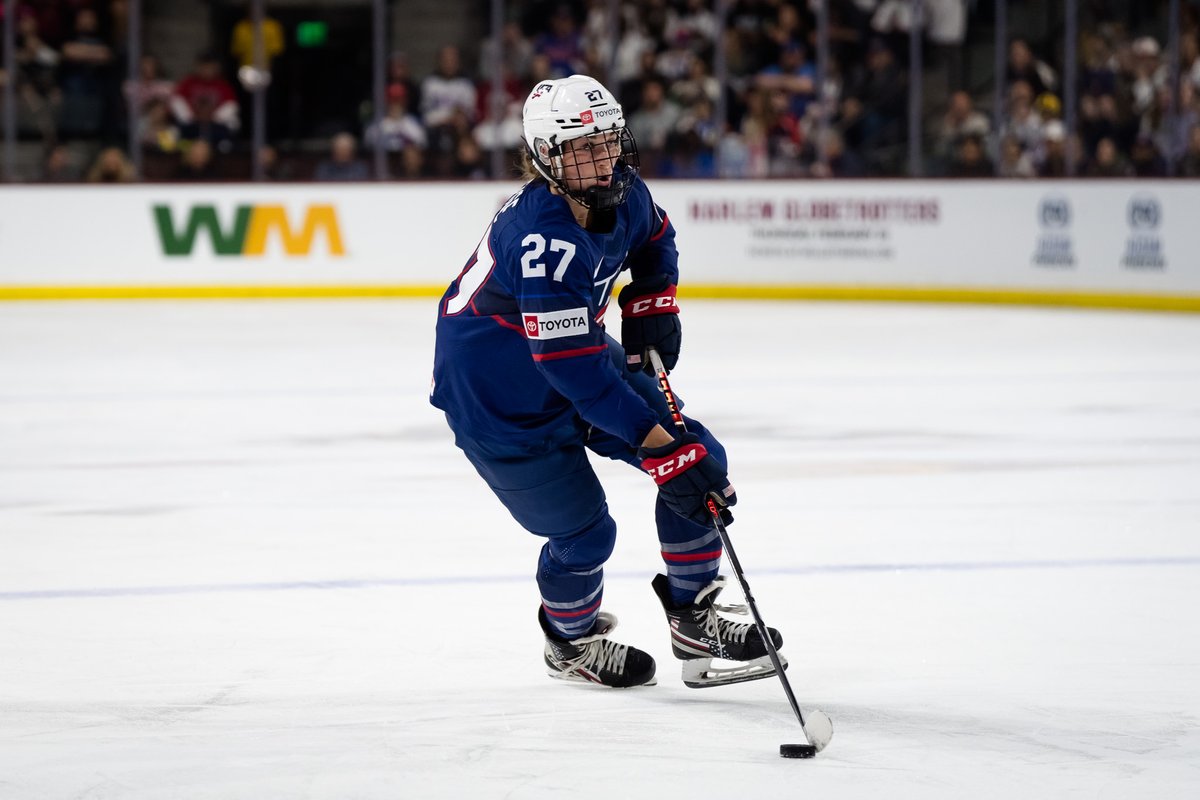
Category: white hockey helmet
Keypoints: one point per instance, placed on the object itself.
(558, 111)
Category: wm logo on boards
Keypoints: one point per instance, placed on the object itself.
(248, 232)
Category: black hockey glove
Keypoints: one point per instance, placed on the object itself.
(686, 474)
(649, 318)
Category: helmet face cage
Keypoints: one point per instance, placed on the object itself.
(597, 170)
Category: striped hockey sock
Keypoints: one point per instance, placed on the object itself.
(692, 554)
(572, 618)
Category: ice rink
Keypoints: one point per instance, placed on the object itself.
(240, 558)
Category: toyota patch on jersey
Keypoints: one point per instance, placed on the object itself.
(555, 324)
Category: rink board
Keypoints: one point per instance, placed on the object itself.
(1098, 243)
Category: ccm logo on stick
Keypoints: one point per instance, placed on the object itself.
(663, 469)
(556, 324)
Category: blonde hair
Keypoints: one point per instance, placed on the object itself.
(530, 173)
(528, 170)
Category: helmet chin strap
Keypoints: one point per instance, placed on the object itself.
(606, 197)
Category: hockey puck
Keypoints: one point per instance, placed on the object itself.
(797, 750)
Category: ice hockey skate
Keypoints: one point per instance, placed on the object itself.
(595, 659)
(699, 634)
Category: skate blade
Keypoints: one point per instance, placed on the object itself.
(576, 677)
(699, 673)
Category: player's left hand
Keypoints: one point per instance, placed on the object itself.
(650, 318)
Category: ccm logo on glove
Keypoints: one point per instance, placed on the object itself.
(663, 304)
(663, 469)
(650, 318)
(687, 474)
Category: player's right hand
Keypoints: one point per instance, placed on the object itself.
(686, 476)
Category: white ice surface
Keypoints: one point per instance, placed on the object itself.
(240, 558)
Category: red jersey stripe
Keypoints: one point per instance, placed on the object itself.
(508, 324)
(661, 230)
(582, 351)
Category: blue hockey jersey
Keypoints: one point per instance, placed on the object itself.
(521, 344)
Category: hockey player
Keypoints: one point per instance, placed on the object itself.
(530, 381)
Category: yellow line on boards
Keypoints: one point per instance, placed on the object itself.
(1039, 297)
(914, 294)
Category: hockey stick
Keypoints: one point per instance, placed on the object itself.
(818, 729)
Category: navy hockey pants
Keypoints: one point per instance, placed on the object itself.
(556, 494)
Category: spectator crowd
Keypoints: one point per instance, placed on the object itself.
(774, 117)
(1130, 120)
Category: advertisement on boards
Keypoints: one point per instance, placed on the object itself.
(1054, 236)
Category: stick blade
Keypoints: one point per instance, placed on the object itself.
(819, 729)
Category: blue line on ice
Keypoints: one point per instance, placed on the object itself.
(375, 583)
